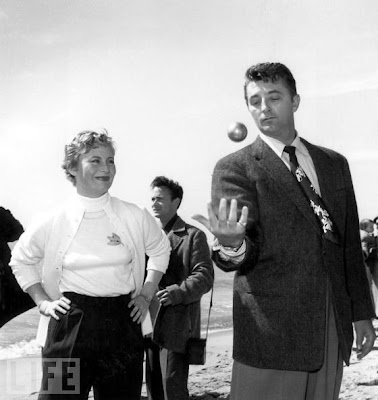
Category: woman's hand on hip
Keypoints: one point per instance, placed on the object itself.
(139, 305)
(50, 307)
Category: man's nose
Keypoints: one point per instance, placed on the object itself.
(265, 105)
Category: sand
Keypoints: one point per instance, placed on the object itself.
(206, 382)
(212, 381)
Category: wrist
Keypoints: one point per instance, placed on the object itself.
(42, 306)
(234, 246)
(148, 291)
(146, 297)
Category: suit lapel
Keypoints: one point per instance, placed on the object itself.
(270, 163)
(326, 175)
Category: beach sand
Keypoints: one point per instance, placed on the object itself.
(206, 382)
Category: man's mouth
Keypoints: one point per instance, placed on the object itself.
(103, 178)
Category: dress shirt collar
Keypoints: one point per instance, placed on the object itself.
(278, 147)
(168, 227)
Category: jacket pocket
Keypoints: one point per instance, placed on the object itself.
(172, 328)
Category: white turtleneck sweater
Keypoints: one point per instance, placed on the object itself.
(41, 251)
(97, 263)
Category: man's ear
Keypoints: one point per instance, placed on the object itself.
(177, 202)
(296, 101)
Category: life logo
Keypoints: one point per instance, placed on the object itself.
(22, 376)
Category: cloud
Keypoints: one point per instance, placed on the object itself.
(361, 85)
(41, 39)
(367, 155)
(3, 15)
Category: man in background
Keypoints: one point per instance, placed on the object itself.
(369, 250)
(374, 266)
(189, 275)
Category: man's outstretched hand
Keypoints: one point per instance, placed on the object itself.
(229, 231)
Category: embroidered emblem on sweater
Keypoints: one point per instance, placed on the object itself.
(114, 240)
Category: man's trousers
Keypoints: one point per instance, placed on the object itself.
(166, 373)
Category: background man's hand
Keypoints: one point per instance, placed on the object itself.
(164, 297)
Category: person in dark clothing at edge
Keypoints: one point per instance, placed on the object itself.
(13, 300)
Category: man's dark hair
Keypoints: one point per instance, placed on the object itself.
(365, 224)
(270, 72)
(174, 187)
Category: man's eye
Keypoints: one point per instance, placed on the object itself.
(111, 162)
(275, 98)
(95, 161)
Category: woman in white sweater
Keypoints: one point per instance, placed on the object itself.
(84, 266)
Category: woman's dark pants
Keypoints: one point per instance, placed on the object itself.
(98, 333)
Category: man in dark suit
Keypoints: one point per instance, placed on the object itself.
(300, 281)
(189, 275)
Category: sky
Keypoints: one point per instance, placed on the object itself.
(165, 78)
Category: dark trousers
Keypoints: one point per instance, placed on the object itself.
(154, 381)
(99, 332)
(166, 371)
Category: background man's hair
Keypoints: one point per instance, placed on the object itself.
(366, 223)
(174, 187)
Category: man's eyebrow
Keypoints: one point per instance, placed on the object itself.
(274, 91)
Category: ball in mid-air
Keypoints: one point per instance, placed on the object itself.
(237, 132)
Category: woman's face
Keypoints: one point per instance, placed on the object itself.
(95, 172)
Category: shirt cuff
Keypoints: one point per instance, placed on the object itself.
(227, 254)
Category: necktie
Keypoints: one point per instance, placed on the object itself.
(316, 201)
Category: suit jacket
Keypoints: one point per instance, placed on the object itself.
(280, 288)
(190, 274)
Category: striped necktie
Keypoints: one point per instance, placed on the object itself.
(316, 202)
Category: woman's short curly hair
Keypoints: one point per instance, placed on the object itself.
(81, 144)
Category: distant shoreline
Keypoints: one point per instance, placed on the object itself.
(20, 349)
